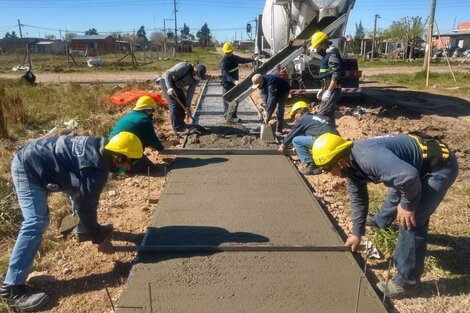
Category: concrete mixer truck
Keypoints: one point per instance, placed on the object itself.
(282, 40)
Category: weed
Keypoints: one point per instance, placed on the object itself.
(386, 240)
(432, 265)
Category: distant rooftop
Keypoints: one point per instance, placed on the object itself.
(90, 37)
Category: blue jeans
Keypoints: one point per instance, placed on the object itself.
(303, 147)
(33, 202)
(176, 112)
(411, 247)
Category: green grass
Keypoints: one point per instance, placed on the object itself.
(147, 62)
(442, 82)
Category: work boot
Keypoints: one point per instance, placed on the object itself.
(23, 298)
(310, 169)
(394, 291)
(371, 222)
(106, 229)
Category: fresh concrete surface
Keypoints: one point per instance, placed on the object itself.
(243, 199)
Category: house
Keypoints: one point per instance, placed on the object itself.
(456, 38)
(15, 45)
(50, 47)
(93, 45)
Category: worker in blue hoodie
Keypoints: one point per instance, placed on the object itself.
(418, 171)
(307, 127)
(62, 163)
(274, 91)
(229, 71)
(330, 75)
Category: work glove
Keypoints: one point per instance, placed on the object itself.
(236, 82)
(320, 93)
(171, 92)
(326, 96)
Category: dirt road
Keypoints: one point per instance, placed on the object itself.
(126, 76)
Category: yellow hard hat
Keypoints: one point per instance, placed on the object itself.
(145, 103)
(126, 143)
(298, 105)
(227, 48)
(328, 148)
(318, 38)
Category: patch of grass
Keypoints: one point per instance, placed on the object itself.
(147, 61)
(10, 214)
(385, 240)
(433, 265)
(442, 82)
(377, 194)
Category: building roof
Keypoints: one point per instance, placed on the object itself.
(90, 37)
(455, 33)
(464, 25)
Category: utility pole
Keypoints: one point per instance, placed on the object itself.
(19, 26)
(373, 40)
(427, 55)
(176, 33)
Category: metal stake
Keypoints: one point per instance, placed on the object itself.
(150, 297)
(109, 297)
(386, 281)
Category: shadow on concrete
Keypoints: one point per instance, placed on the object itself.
(191, 235)
(415, 102)
(198, 235)
(185, 162)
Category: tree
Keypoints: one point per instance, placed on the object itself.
(185, 31)
(50, 37)
(69, 36)
(91, 31)
(142, 36)
(204, 36)
(12, 35)
(408, 30)
(358, 37)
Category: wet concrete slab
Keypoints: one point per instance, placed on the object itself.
(212, 200)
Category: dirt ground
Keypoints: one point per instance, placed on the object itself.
(82, 280)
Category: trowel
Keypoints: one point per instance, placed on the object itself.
(69, 223)
(267, 133)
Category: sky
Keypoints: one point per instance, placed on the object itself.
(226, 19)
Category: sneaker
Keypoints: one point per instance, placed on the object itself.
(393, 290)
(23, 298)
(236, 120)
(106, 229)
(370, 222)
(310, 169)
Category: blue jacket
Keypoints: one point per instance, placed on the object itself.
(140, 124)
(395, 161)
(70, 162)
(330, 65)
(309, 124)
(229, 69)
(273, 87)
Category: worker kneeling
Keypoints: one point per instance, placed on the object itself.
(61, 163)
(417, 170)
(306, 129)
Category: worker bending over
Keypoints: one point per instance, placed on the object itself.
(140, 122)
(229, 71)
(306, 129)
(330, 75)
(417, 170)
(60, 164)
(275, 91)
(173, 84)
